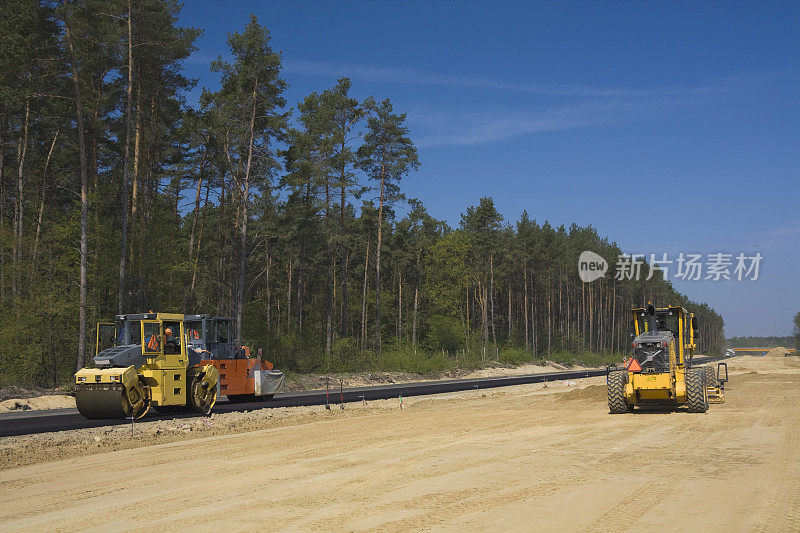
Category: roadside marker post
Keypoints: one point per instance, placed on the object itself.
(328, 394)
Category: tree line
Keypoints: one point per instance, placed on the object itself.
(116, 196)
(758, 342)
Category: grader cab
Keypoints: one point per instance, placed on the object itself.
(660, 369)
(148, 364)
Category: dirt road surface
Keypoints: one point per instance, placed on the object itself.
(518, 458)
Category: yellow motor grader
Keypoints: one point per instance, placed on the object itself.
(660, 370)
(147, 365)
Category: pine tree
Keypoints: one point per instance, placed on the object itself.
(386, 156)
(251, 99)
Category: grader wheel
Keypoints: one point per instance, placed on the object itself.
(710, 376)
(696, 390)
(616, 393)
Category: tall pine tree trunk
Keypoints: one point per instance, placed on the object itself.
(510, 328)
(137, 150)
(364, 300)
(245, 189)
(491, 297)
(223, 241)
(84, 203)
(525, 301)
(123, 252)
(196, 261)
(399, 306)
(614, 318)
(482, 291)
(378, 267)
(344, 252)
(414, 320)
(268, 310)
(18, 222)
(2, 210)
(35, 252)
(330, 277)
(549, 326)
(289, 298)
(534, 346)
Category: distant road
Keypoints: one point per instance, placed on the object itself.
(28, 422)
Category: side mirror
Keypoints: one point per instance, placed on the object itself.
(694, 325)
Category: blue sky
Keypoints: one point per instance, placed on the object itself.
(684, 115)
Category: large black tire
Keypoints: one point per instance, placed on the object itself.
(696, 391)
(710, 376)
(616, 392)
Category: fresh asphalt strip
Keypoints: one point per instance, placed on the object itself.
(29, 422)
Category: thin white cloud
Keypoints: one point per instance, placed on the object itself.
(438, 128)
(592, 105)
(416, 77)
(790, 229)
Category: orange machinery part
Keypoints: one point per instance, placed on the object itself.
(236, 375)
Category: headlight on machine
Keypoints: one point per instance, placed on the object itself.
(81, 378)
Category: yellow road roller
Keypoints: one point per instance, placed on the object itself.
(147, 364)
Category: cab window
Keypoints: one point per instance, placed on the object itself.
(194, 331)
(222, 332)
(172, 337)
(152, 337)
(134, 335)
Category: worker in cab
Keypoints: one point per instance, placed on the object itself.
(171, 344)
(153, 343)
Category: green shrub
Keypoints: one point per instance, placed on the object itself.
(444, 333)
(346, 357)
(515, 356)
(406, 359)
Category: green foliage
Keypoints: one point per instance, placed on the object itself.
(514, 356)
(444, 333)
(407, 359)
(387, 153)
(796, 331)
